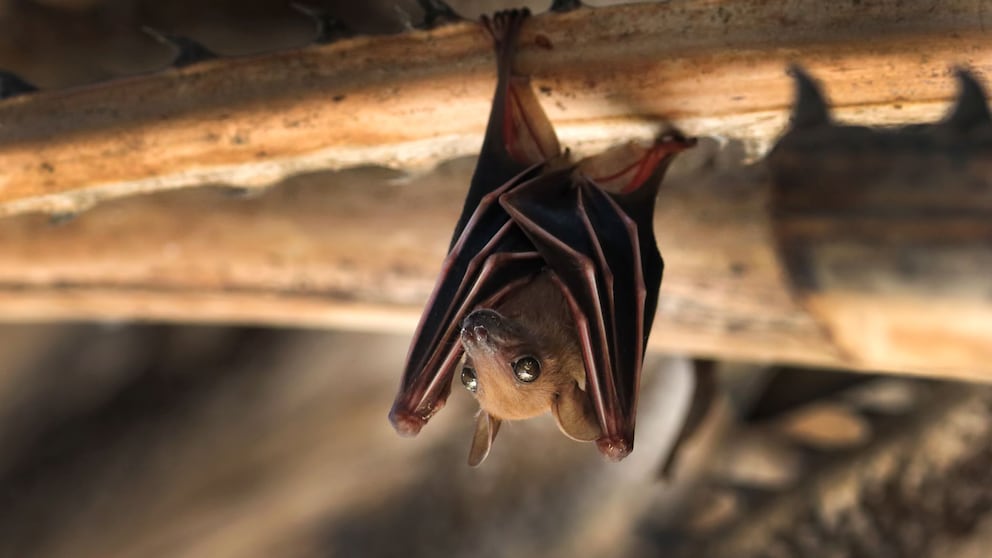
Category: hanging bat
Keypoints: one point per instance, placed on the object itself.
(551, 282)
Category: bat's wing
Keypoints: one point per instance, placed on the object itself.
(518, 134)
(602, 250)
(632, 174)
(489, 259)
(488, 256)
(558, 218)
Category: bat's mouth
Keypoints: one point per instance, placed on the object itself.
(477, 334)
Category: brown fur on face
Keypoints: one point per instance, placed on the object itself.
(535, 321)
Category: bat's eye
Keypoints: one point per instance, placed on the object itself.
(527, 369)
(469, 380)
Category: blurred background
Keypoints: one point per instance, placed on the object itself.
(146, 440)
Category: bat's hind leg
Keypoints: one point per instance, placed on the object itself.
(517, 126)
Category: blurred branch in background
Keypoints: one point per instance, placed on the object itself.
(178, 441)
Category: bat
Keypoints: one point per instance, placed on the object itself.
(548, 292)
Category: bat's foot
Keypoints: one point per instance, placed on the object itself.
(504, 27)
(673, 142)
(405, 423)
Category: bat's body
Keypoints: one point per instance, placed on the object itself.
(551, 282)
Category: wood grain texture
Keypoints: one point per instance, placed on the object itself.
(412, 100)
(360, 250)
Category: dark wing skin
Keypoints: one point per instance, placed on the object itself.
(505, 152)
(490, 258)
(555, 219)
(609, 275)
(489, 255)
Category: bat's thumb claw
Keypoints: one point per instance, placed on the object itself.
(406, 423)
(614, 449)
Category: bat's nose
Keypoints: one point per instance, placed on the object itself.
(476, 335)
(481, 333)
(485, 318)
(483, 330)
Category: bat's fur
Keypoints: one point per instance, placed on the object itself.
(580, 233)
(533, 321)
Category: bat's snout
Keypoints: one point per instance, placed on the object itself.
(482, 328)
(485, 319)
(475, 336)
(480, 333)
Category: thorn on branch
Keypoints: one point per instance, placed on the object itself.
(329, 28)
(562, 6)
(187, 50)
(12, 85)
(971, 109)
(810, 108)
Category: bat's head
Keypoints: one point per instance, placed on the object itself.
(518, 369)
(506, 368)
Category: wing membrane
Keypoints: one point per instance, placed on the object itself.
(592, 247)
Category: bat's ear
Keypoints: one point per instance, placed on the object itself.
(575, 414)
(486, 427)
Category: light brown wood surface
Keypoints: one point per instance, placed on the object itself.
(356, 251)
(361, 250)
(418, 98)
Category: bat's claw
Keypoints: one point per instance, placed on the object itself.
(187, 51)
(406, 423)
(676, 141)
(615, 449)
